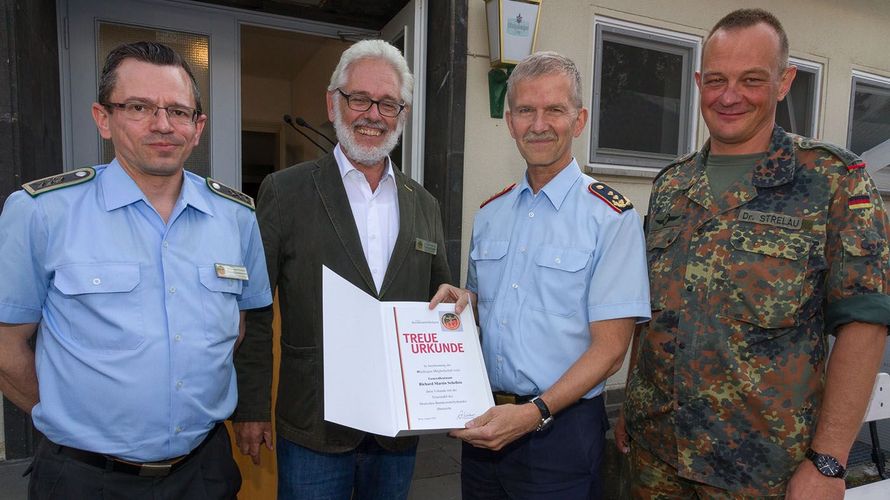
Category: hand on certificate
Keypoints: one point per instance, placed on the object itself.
(448, 294)
(499, 426)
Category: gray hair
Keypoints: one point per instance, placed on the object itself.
(545, 64)
(374, 49)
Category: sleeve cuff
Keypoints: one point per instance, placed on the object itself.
(256, 302)
(641, 311)
(14, 314)
(871, 308)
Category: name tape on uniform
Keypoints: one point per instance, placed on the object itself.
(778, 220)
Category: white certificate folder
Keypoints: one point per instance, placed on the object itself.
(398, 368)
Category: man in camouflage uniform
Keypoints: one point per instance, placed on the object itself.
(731, 395)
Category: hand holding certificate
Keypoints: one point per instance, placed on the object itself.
(398, 368)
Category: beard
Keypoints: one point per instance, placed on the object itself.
(366, 155)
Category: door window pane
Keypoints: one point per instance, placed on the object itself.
(194, 48)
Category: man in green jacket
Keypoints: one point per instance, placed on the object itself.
(355, 212)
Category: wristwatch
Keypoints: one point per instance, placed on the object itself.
(826, 464)
(546, 417)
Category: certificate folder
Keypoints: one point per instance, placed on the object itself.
(398, 368)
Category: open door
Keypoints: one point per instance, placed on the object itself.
(407, 31)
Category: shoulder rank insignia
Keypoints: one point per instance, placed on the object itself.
(850, 160)
(232, 194)
(498, 195)
(612, 198)
(53, 182)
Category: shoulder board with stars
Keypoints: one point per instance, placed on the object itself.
(60, 181)
(613, 198)
(498, 195)
(230, 193)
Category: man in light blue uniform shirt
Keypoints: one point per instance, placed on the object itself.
(557, 270)
(133, 275)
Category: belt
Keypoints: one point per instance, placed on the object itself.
(144, 469)
(505, 398)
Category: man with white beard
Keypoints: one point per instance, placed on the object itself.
(355, 212)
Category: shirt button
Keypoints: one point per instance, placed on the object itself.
(178, 429)
(522, 250)
(531, 214)
(503, 322)
(172, 289)
(681, 345)
(689, 288)
(557, 260)
(177, 338)
(97, 281)
(166, 244)
(179, 384)
(515, 285)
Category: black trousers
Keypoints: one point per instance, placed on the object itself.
(561, 462)
(211, 474)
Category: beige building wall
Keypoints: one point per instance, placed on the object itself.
(842, 35)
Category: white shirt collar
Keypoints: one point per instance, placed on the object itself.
(346, 166)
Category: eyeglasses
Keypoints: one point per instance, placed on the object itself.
(363, 103)
(139, 111)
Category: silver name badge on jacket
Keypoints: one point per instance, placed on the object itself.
(231, 271)
(426, 246)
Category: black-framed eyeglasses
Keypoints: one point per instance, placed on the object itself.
(386, 107)
(138, 111)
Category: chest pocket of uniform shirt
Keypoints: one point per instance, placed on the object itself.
(661, 266)
(219, 297)
(764, 281)
(488, 256)
(102, 304)
(560, 280)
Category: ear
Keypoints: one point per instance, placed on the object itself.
(200, 123)
(698, 80)
(329, 98)
(787, 79)
(580, 121)
(101, 116)
(508, 117)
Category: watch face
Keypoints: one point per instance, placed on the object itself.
(827, 465)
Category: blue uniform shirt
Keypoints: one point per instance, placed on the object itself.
(134, 348)
(543, 268)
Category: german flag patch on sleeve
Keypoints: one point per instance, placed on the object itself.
(613, 198)
(859, 202)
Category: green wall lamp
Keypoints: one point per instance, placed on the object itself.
(512, 32)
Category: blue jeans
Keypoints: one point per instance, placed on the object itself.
(369, 471)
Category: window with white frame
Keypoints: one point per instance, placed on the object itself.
(643, 109)
(868, 129)
(798, 112)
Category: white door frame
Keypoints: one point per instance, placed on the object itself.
(78, 67)
(410, 22)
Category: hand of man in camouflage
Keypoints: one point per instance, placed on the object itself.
(622, 440)
(500, 426)
(808, 483)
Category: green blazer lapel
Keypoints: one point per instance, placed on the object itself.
(405, 239)
(333, 196)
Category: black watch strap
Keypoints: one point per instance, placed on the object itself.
(546, 417)
(827, 465)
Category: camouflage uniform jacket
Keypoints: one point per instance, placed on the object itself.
(744, 289)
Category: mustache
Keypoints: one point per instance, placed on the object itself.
(366, 122)
(167, 139)
(543, 136)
